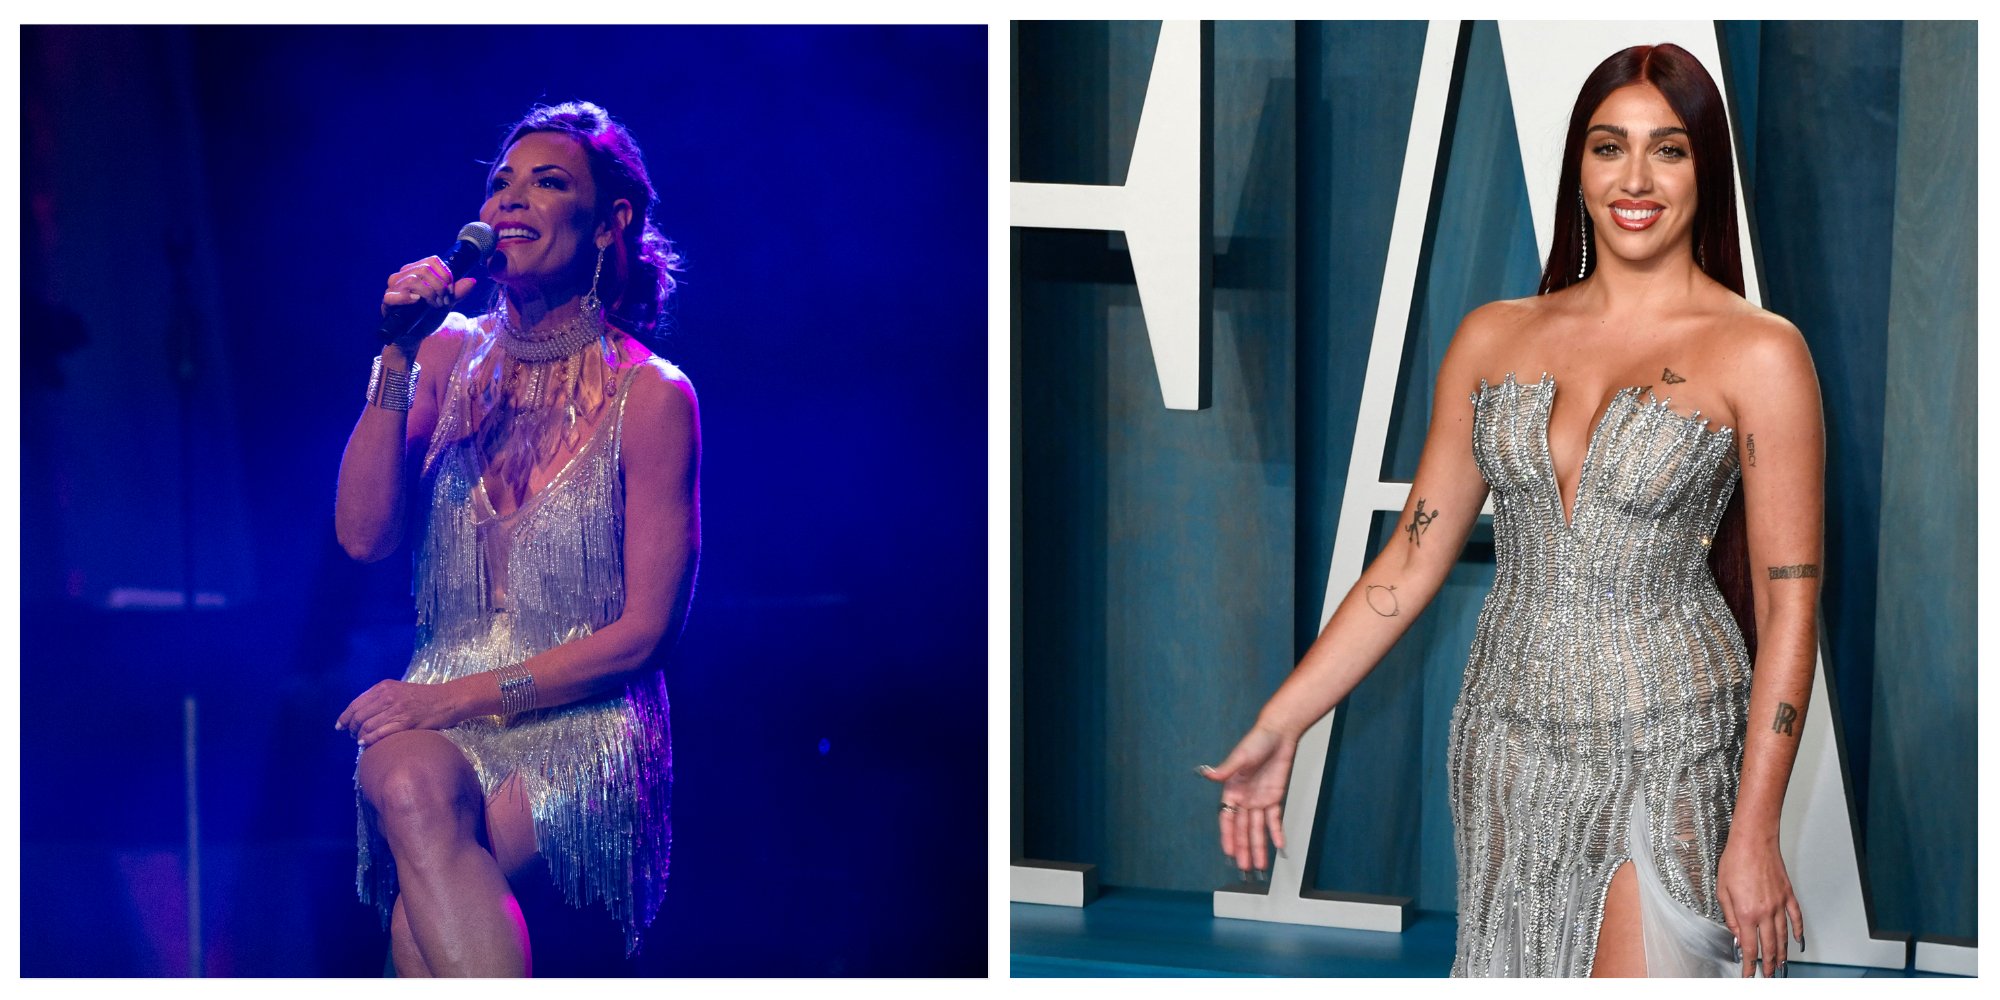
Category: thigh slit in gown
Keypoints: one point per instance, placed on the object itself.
(598, 774)
(1601, 718)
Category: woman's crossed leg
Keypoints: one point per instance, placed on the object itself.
(454, 913)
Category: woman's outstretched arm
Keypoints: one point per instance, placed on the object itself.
(1397, 585)
(1782, 450)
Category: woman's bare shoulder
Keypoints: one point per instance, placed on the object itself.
(1485, 329)
(1503, 315)
(1759, 342)
(1761, 356)
(660, 396)
(442, 347)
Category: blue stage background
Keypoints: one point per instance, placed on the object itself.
(1171, 565)
(217, 208)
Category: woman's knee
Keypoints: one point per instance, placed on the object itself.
(419, 786)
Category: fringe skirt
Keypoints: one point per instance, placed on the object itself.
(598, 776)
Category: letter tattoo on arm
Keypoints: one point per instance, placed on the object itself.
(1783, 722)
(1382, 600)
(1800, 571)
(1420, 522)
(1751, 441)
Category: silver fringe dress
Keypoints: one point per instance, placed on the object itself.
(1602, 714)
(597, 774)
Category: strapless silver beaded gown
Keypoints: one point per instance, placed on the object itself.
(597, 774)
(1602, 714)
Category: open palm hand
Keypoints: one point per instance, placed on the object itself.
(1254, 777)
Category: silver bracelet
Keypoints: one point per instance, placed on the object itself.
(517, 689)
(397, 391)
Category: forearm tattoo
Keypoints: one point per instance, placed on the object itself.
(1783, 722)
(1382, 600)
(1798, 572)
(1751, 441)
(1420, 522)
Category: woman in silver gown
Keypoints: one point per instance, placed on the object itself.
(552, 462)
(1626, 727)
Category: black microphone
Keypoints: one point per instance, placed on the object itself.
(475, 243)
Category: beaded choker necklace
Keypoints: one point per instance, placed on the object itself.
(572, 335)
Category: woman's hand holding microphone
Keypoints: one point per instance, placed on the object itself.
(427, 281)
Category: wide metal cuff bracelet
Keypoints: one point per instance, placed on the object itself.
(397, 391)
(517, 689)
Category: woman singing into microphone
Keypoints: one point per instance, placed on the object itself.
(553, 464)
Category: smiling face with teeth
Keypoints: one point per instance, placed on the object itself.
(542, 204)
(1638, 177)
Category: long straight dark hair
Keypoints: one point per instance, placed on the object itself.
(1693, 95)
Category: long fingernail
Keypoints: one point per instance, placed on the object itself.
(1204, 770)
(1263, 876)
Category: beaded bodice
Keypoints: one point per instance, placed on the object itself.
(1610, 608)
(555, 563)
(1601, 716)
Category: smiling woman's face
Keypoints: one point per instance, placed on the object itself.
(1638, 176)
(541, 202)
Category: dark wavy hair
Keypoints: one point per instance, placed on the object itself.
(646, 258)
(1693, 95)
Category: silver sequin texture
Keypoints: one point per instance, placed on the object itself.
(597, 774)
(1605, 668)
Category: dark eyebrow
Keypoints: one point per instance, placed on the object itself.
(536, 170)
(1619, 131)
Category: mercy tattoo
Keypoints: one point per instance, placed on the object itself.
(1384, 603)
(1420, 522)
(1752, 442)
(1667, 375)
(1800, 571)
(1783, 722)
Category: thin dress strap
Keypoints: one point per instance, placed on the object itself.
(448, 407)
(618, 427)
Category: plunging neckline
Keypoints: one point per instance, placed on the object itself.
(534, 498)
(610, 412)
(1546, 385)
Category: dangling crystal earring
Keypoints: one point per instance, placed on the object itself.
(591, 303)
(1698, 262)
(1582, 235)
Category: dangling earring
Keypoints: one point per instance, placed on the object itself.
(591, 303)
(1698, 262)
(1582, 235)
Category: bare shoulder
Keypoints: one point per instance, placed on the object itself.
(1761, 347)
(1766, 368)
(440, 349)
(1482, 333)
(660, 400)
